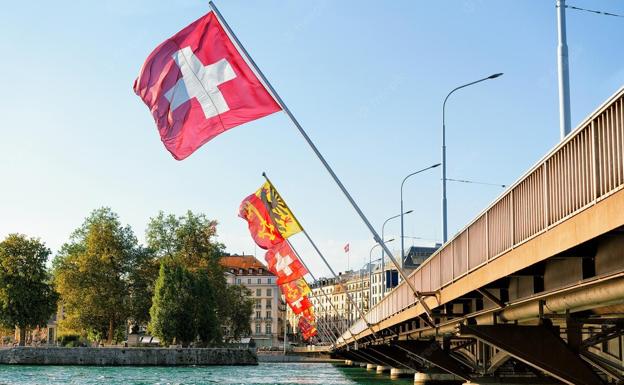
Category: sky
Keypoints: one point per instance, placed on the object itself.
(366, 79)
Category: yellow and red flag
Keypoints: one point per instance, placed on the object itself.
(284, 263)
(279, 212)
(261, 227)
(308, 329)
(308, 314)
(296, 293)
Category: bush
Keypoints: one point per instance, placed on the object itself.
(69, 340)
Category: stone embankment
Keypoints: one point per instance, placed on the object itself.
(127, 356)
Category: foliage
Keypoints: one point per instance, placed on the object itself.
(238, 312)
(27, 298)
(172, 306)
(96, 274)
(190, 271)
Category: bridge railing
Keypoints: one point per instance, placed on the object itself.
(586, 167)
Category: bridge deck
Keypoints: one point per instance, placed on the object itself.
(571, 196)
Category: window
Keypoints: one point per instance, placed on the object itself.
(240, 271)
(249, 281)
(268, 314)
(268, 328)
(250, 271)
(258, 304)
(259, 281)
(269, 292)
(260, 271)
(258, 315)
(258, 331)
(268, 303)
(269, 281)
(258, 292)
(238, 280)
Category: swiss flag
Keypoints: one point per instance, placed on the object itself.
(197, 85)
(284, 263)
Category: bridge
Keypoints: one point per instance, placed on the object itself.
(533, 286)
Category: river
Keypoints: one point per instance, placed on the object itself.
(263, 374)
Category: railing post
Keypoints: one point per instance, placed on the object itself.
(595, 153)
(546, 194)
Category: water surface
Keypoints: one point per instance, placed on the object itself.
(263, 374)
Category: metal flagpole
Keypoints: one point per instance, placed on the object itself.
(322, 159)
(563, 71)
(315, 280)
(303, 230)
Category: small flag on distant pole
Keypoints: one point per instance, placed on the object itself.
(346, 248)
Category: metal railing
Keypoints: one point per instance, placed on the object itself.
(583, 169)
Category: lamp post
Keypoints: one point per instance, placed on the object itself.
(402, 228)
(444, 211)
(383, 255)
(370, 273)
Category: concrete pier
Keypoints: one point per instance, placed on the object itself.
(348, 362)
(381, 369)
(362, 364)
(371, 367)
(421, 378)
(398, 373)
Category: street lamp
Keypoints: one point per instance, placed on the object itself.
(444, 213)
(383, 256)
(370, 272)
(402, 230)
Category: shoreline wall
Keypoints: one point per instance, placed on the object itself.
(127, 356)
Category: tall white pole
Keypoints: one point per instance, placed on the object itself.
(563, 71)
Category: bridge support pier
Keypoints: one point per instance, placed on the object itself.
(399, 373)
(348, 362)
(382, 368)
(421, 378)
(371, 367)
(362, 364)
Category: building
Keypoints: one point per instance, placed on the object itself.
(267, 320)
(416, 255)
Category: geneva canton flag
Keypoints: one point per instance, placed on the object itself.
(197, 85)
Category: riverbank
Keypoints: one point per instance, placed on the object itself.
(127, 356)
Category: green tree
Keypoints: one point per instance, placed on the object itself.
(173, 305)
(238, 312)
(189, 240)
(27, 298)
(93, 273)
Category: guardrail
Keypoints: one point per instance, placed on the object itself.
(586, 167)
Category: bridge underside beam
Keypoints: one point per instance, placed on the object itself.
(537, 346)
(397, 357)
(430, 351)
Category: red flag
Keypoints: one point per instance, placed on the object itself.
(308, 330)
(264, 233)
(197, 85)
(296, 293)
(284, 263)
(346, 248)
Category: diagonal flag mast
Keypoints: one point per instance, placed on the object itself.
(303, 133)
(303, 230)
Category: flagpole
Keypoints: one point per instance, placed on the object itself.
(303, 230)
(315, 280)
(322, 159)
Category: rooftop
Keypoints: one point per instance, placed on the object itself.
(249, 265)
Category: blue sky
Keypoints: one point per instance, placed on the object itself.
(366, 79)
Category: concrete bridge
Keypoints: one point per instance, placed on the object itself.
(533, 287)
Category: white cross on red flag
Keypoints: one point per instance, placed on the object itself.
(284, 263)
(197, 85)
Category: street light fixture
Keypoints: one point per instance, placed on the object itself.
(383, 255)
(370, 272)
(444, 211)
(402, 229)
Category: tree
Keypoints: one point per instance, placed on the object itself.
(27, 298)
(93, 273)
(173, 305)
(189, 242)
(239, 311)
